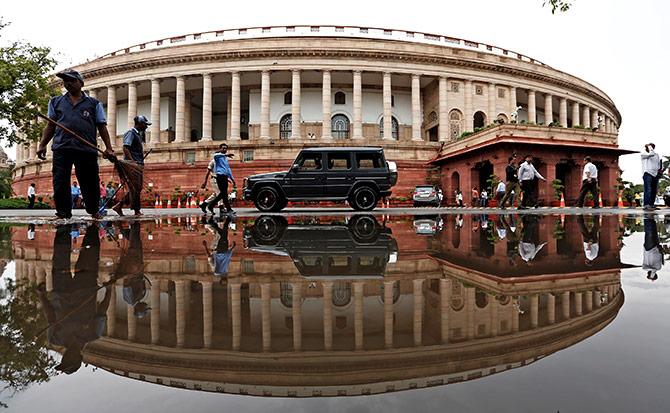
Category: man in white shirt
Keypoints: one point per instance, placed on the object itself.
(589, 183)
(651, 169)
(527, 175)
(31, 196)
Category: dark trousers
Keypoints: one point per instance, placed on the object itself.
(650, 234)
(86, 170)
(591, 235)
(509, 187)
(588, 186)
(222, 183)
(222, 244)
(31, 202)
(650, 189)
(529, 196)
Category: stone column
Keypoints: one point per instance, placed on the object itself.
(551, 308)
(32, 151)
(155, 311)
(326, 107)
(563, 112)
(443, 127)
(111, 309)
(180, 309)
(492, 115)
(111, 112)
(586, 117)
(155, 128)
(565, 305)
(594, 119)
(266, 320)
(131, 322)
(417, 290)
(512, 100)
(388, 314)
(416, 108)
(467, 108)
(578, 303)
(445, 298)
(229, 110)
(187, 118)
(358, 314)
(180, 127)
(132, 104)
(327, 287)
(534, 305)
(207, 107)
(296, 313)
(358, 105)
(548, 109)
(575, 114)
(387, 109)
(207, 313)
(235, 109)
(236, 314)
(265, 104)
(532, 107)
(295, 104)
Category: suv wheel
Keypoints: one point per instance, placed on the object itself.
(267, 199)
(364, 199)
(267, 229)
(364, 228)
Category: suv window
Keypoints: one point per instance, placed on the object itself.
(368, 160)
(339, 161)
(310, 162)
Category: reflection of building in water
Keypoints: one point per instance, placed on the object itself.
(267, 330)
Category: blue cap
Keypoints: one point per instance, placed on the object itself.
(71, 74)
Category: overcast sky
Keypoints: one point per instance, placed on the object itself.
(621, 46)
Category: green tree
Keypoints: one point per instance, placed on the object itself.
(25, 85)
(5, 183)
(557, 5)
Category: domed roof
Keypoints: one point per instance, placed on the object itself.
(3, 155)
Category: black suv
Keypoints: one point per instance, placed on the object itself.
(360, 176)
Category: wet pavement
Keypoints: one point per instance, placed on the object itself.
(390, 311)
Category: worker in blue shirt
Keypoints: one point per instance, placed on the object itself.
(223, 175)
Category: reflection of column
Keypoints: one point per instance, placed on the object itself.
(131, 322)
(155, 310)
(388, 314)
(207, 311)
(49, 278)
(111, 309)
(534, 304)
(468, 109)
(296, 312)
(235, 110)
(515, 315)
(180, 294)
(445, 298)
(565, 305)
(358, 314)
(180, 131)
(532, 107)
(265, 104)
(325, 106)
(236, 314)
(416, 108)
(551, 308)
(469, 312)
(111, 111)
(443, 127)
(358, 105)
(265, 316)
(295, 104)
(588, 299)
(327, 315)
(155, 131)
(132, 104)
(387, 100)
(418, 311)
(578, 303)
(207, 107)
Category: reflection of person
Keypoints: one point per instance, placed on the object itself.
(31, 232)
(528, 247)
(221, 254)
(512, 235)
(590, 238)
(652, 258)
(75, 191)
(74, 315)
(131, 269)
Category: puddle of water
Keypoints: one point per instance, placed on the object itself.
(513, 311)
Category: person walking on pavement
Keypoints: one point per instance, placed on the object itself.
(651, 171)
(500, 191)
(527, 175)
(133, 150)
(85, 116)
(484, 198)
(589, 184)
(31, 196)
(475, 196)
(511, 182)
(223, 175)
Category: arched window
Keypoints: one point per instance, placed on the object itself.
(339, 127)
(288, 98)
(455, 124)
(285, 127)
(394, 128)
(479, 120)
(340, 98)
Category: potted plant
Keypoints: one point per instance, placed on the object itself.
(559, 189)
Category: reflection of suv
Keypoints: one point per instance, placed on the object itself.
(360, 176)
(360, 248)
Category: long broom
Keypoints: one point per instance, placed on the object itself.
(104, 204)
(129, 172)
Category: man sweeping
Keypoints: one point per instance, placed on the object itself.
(133, 150)
(85, 116)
